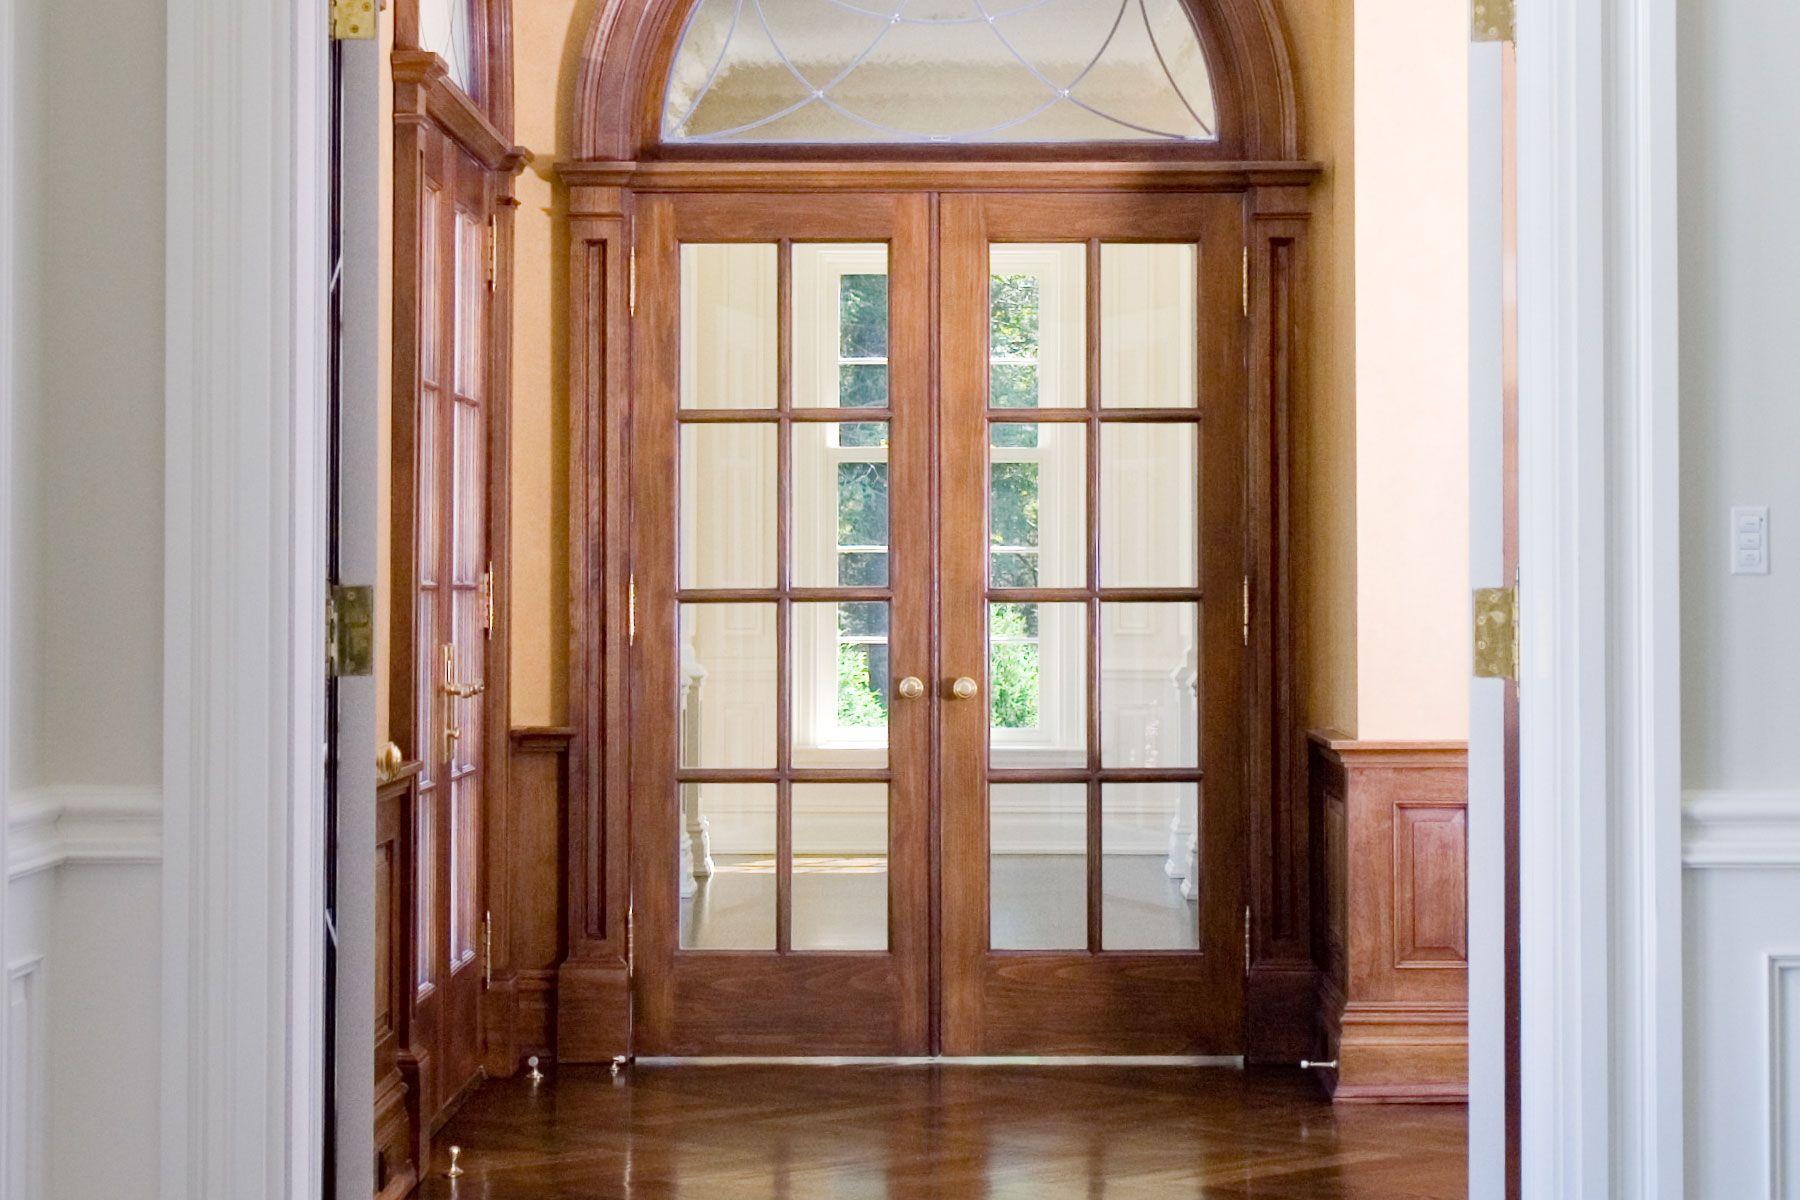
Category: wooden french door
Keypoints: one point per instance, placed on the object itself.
(939, 547)
(450, 619)
(762, 797)
(1093, 845)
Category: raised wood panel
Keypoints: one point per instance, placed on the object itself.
(1390, 930)
(528, 937)
(1431, 921)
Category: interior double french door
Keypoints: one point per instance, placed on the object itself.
(939, 638)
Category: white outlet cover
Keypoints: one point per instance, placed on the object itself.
(1750, 541)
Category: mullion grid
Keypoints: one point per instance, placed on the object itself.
(1093, 416)
(784, 595)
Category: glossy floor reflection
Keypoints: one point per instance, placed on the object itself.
(784, 1132)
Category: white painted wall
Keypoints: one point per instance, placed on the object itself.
(85, 682)
(1739, 104)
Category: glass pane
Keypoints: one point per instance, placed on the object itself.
(727, 866)
(728, 505)
(430, 284)
(463, 863)
(1037, 866)
(840, 325)
(840, 866)
(471, 290)
(1149, 674)
(841, 684)
(1147, 901)
(1148, 468)
(425, 868)
(890, 71)
(447, 29)
(728, 685)
(728, 326)
(1037, 685)
(1037, 326)
(840, 495)
(1037, 505)
(1147, 323)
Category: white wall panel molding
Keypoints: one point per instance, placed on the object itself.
(47, 827)
(27, 1130)
(1784, 1073)
(244, 587)
(1723, 829)
(1600, 604)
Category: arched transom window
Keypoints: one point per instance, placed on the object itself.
(448, 29)
(845, 71)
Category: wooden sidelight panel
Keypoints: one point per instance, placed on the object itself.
(453, 173)
(1390, 821)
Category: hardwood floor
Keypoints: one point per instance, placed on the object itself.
(787, 1132)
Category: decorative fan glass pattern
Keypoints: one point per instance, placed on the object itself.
(447, 29)
(841, 71)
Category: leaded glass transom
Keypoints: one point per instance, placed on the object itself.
(847, 71)
(447, 29)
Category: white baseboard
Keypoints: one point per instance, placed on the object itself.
(69, 823)
(1725, 829)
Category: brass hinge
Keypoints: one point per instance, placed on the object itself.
(487, 600)
(352, 20)
(487, 949)
(1246, 281)
(631, 611)
(350, 631)
(1246, 939)
(1497, 633)
(1492, 21)
(1246, 610)
(631, 281)
(493, 252)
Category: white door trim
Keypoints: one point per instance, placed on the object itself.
(243, 625)
(1600, 821)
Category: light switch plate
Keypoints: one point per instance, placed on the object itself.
(1750, 541)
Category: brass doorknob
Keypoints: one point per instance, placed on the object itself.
(964, 688)
(911, 688)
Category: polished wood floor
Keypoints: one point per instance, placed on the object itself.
(786, 1132)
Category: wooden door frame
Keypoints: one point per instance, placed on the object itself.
(593, 981)
(625, 62)
(425, 98)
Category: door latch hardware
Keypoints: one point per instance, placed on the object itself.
(1497, 633)
(350, 631)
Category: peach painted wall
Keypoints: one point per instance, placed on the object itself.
(1412, 369)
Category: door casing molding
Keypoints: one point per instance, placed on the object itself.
(1600, 808)
(244, 638)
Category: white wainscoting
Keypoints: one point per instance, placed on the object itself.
(82, 981)
(1742, 919)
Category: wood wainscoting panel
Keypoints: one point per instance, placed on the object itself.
(1390, 936)
(399, 1123)
(526, 905)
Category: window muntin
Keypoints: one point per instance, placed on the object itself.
(886, 71)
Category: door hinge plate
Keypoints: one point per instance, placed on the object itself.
(1497, 633)
(350, 631)
(352, 20)
(487, 601)
(1493, 21)
(1246, 281)
(1246, 939)
(1246, 610)
(631, 611)
(487, 949)
(631, 281)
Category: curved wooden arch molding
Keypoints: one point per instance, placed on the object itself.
(630, 44)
